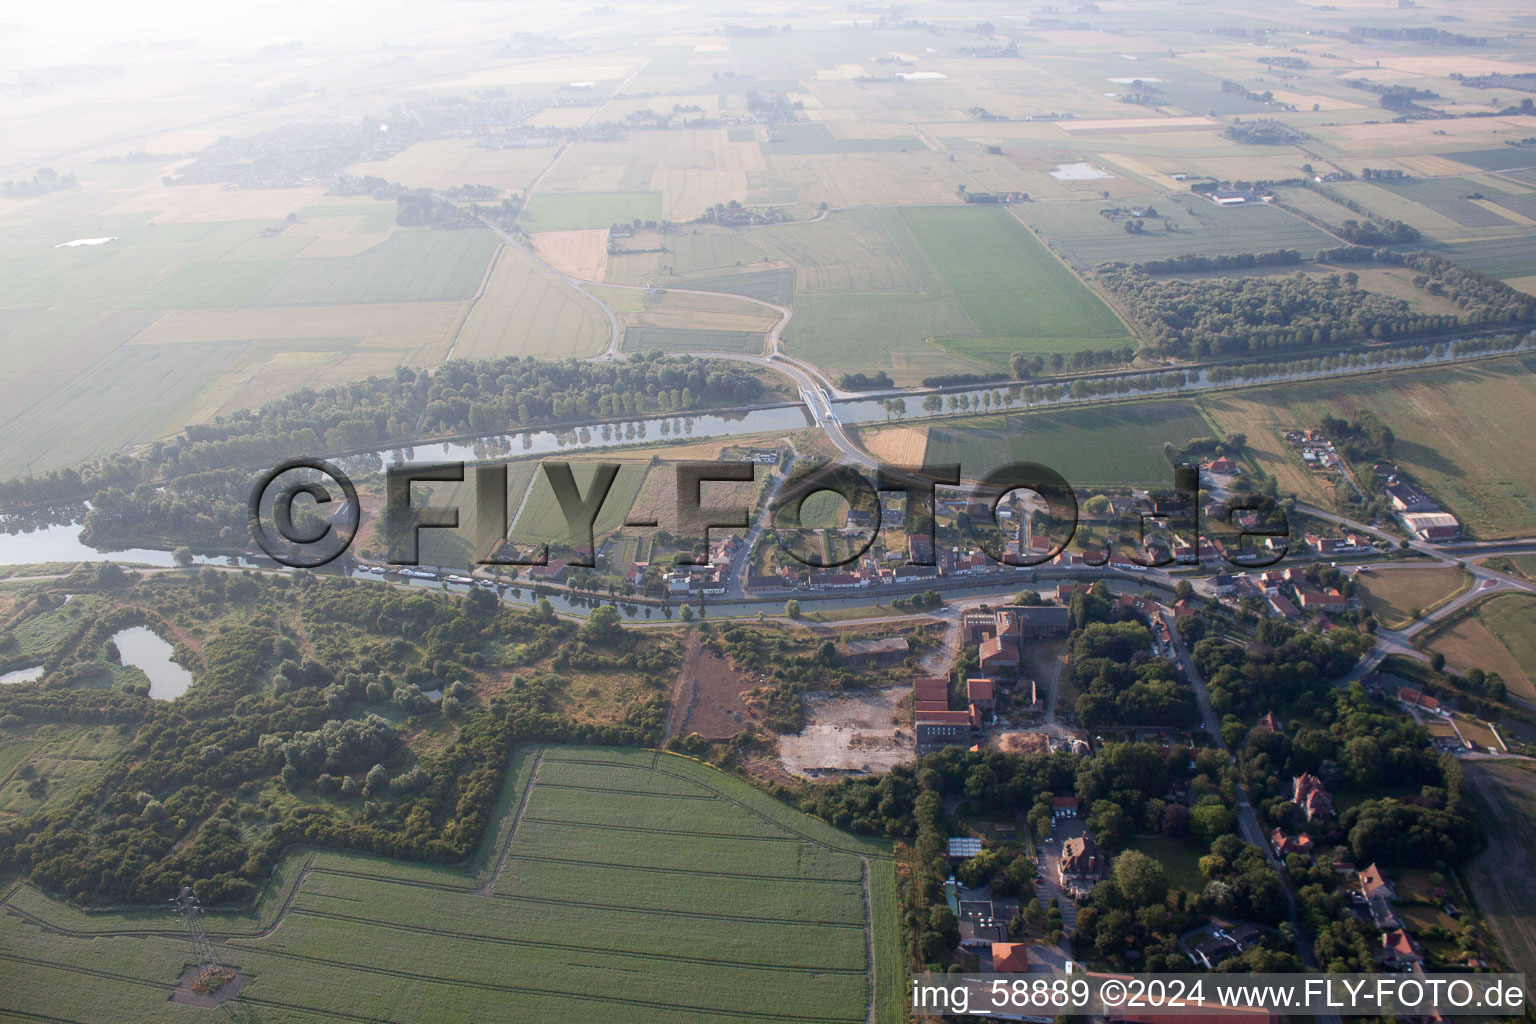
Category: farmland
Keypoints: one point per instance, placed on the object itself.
(1496, 635)
(1506, 794)
(1393, 594)
(569, 211)
(986, 289)
(1116, 446)
(595, 869)
(541, 520)
(1085, 239)
(1446, 421)
(528, 311)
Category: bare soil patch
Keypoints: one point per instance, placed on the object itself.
(185, 993)
(852, 732)
(707, 697)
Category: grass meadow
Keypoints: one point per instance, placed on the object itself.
(618, 885)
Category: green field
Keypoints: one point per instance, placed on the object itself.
(622, 886)
(1010, 286)
(541, 520)
(684, 339)
(1500, 257)
(1512, 618)
(406, 266)
(64, 756)
(567, 211)
(1085, 239)
(1179, 857)
(1115, 446)
(961, 287)
(1504, 158)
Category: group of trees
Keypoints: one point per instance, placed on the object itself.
(1194, 262)
(1283, 665)
(1369, 232)
(191, 796)
(1222, 316)
(459, 398)
(1118, 679)
(44, 181)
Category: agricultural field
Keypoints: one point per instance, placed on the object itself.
(682, 339)
(1085, 239)
(1119, 445)
(1506, 794)
(1393, 593)
(538, 518)
(976, 286)
(570, 211)
(697, 897)
(528, 311)
(444, 163)
(1495, 635)
(1447, 421)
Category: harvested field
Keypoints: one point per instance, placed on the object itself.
(1495, 635)
(896, 446)
(1392, 593)
(582, 254)
(528, 311)
(1506, 795)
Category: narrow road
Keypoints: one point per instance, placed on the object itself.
(1247, 818)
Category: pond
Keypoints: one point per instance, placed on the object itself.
(22, 675)
(142, 648)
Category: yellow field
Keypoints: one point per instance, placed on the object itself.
(1392, 593)
(693, 170)
(527, 311)
(691, 310)
(896, 446)
(443, 163)
(581, 254)
(1418, 137)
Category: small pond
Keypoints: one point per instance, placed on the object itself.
(142, 648)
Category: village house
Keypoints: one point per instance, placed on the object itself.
(1411, 698)
(1285, 845)
(1398, 950)
(1309, 793)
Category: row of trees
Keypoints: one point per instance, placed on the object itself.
(458, 398)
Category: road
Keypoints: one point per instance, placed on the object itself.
(1247, 818)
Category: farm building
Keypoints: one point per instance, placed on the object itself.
(1405, 497)
(1433, 526)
